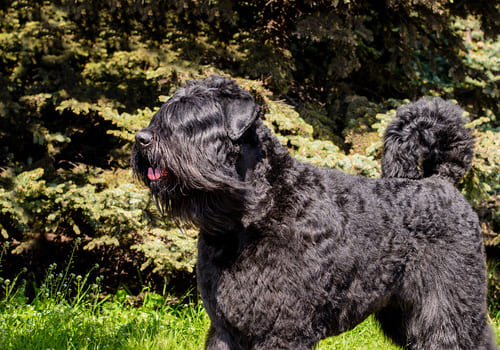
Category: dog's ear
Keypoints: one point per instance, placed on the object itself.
(239, 115)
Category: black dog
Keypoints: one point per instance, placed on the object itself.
(290, 253)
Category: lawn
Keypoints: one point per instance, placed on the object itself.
(69, 312)
(111, 325)
(115, 324)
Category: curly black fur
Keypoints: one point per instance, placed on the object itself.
(428, 138)
(290, 253)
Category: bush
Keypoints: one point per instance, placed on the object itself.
(79, 79)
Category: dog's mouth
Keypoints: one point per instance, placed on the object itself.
(155, 174)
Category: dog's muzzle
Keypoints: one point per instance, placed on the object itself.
(144, 140)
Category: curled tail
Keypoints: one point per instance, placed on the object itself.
(428, 137)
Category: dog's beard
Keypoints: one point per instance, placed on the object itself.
(201, 195)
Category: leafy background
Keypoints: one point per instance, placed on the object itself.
(79, 78)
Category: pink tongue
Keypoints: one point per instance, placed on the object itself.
(154, 174)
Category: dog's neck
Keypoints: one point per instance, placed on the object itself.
(262, 164)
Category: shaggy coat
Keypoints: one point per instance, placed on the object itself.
(290, 253)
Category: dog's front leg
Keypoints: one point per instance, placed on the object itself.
(222, 340)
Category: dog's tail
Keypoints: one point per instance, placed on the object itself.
(428, 137)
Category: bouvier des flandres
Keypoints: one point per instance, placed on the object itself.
(290, 253)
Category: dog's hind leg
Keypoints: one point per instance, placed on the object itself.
(440, 306)
(413, 329)
(450, 332)
(438, 322)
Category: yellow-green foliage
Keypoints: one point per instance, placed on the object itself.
(482, 55)
(109, 209)
(168, 249)
(484, 177)
(297, 135)
(114, 215)
(82, 77)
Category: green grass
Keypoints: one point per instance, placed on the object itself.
(117, 325)
(112, 325)
(365, 336)
(68, 312)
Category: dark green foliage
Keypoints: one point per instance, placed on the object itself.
(79, 78)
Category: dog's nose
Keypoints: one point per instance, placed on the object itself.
(144, 138)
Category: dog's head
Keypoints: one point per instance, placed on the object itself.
(188, 155)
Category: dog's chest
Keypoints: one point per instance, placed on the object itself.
(257, 292)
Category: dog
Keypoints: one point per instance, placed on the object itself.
(290, 253)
